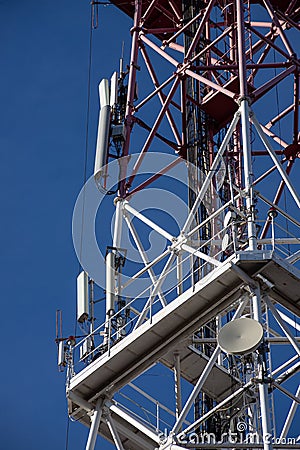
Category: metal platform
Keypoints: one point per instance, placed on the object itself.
(179, 319)
(222, 116)
(162, 15)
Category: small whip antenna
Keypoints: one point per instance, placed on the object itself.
(122, 59)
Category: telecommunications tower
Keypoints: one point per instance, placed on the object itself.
(197, 346)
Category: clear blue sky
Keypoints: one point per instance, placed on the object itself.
(43, 85)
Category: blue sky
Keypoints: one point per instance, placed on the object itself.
(44, 62)
(44, 76)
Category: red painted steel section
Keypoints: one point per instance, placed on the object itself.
(160, 15)
(225, 73)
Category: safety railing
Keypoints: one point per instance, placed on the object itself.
(282, 238)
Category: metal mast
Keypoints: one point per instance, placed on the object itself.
(199, 155)
(214, 312)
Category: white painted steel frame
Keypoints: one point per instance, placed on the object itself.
(86, 405)
(245, 115)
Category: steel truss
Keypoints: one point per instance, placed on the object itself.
(247, 52)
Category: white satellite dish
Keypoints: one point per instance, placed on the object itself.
(241, 336)
(229, 216)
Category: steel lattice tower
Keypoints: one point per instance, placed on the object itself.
(209, 73)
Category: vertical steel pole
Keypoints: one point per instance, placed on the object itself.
(117, 242)
(296, 107)
(179, 274)
(92, 318)
(92, 304)
(110, 285)
(130, 95)
(114, 275)
(94, 426)
(177, 382)
(244, 109)
(262, 387)
(118, 225)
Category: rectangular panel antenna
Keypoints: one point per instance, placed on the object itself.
(82, 297)
(114, 89)
(61, 354)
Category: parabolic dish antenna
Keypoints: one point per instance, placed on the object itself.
(229, 216)
(241, 336)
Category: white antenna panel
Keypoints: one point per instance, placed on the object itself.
(61, 354)
(114, 89)
(104, 93)
(103, 130)
(110, 283)
(82, 297)
(225, 242)
(241, 336)
(220, 175)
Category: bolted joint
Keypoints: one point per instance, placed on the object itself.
(272, 213)
(135, 30)
(116, 200)
(244, 98)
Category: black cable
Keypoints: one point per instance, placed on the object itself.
(67, 433)
(86, 146)
(86, 133)
(84, 179)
